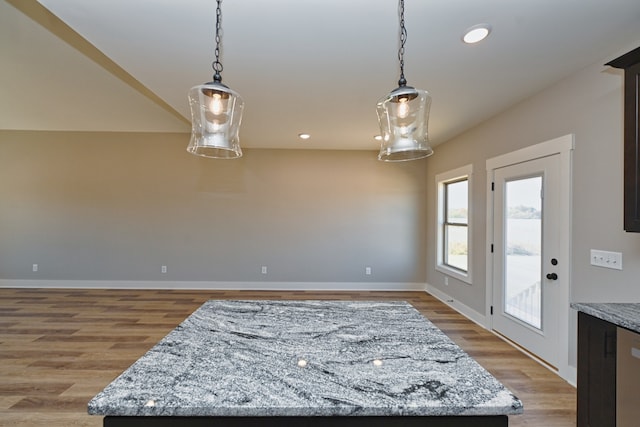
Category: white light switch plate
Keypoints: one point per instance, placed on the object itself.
(606, 259)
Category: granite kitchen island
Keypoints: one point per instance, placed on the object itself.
(284, 363)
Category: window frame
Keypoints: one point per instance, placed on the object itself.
(463, 173)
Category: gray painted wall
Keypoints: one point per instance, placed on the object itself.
(589, 105)
(117, 206)
(108, 206)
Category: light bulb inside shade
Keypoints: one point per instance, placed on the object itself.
(403, 108)
(216, 106)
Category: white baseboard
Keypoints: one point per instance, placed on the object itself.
(461, 308)
(570, 375)
(212, 285)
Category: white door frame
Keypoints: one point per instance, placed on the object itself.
(563, 146)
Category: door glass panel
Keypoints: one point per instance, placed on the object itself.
(523, 246)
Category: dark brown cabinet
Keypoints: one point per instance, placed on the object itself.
(596, 372)
(630, 62)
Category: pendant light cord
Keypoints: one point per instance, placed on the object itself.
(217, 65)
(403, 39)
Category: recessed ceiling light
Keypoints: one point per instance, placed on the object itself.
(304, 136)
(476, 33)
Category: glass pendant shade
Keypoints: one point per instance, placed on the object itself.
(216, 113)
(404, 116)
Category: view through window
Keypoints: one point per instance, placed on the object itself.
(454, 223)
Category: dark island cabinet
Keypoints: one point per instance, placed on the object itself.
(630, 62)
(596, 372)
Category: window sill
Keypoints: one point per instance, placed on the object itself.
(456, 274)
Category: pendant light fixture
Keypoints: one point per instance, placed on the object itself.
(216, 112)
(403, 115)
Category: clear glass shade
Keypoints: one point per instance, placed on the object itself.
(216, 113)
(404, 117)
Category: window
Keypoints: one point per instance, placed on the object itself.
(454, 229)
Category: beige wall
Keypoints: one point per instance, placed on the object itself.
(588, 105)
(117, 206)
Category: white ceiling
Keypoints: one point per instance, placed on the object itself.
(315, 66)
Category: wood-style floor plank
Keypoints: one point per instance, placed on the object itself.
(60, 347)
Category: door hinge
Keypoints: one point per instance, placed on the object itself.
(492, 248)
(492, 310)
(493, 186)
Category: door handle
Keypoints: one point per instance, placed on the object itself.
(552, 276)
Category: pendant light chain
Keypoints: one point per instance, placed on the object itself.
(403, 40)
(216, 111)
(217, 65)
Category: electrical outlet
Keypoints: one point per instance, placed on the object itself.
(264, 269)
(606, 259)
(163, 269)
(446, 281)
(35, 267)
(367, 271)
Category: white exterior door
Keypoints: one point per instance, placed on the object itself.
(528, 267)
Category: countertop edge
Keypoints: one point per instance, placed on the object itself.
(625, 315)
(516, 409)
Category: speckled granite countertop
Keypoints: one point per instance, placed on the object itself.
(305, 358)
(626, 315)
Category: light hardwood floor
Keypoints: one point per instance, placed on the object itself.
(58, 348)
